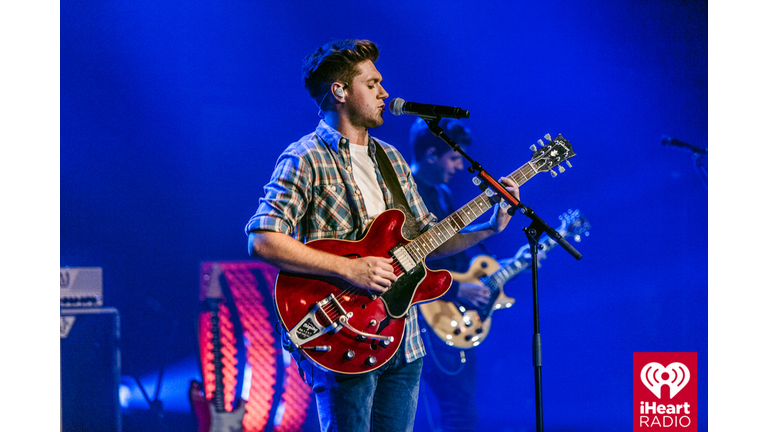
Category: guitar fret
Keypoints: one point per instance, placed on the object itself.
(463, 216)
(449, 227)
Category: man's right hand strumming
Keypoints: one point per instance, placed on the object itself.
(286, 253)
(371, 273)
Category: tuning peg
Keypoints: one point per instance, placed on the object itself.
(532, 147)
(561, 169)
(548, 137)
(554, 174)
(567, 162)
(541, 143)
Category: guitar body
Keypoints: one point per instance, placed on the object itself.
(458, 326)
(210, 419)
(340, 349)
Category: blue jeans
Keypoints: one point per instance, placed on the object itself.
(383, 400)
(453, 383)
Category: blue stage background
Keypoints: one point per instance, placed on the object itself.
(173, 114)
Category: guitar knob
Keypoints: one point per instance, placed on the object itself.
(479, 330)
(468, 337)
(457, 331)
(384, 343)
(349, 355)
(370, 361)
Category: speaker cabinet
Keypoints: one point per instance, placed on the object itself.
(90, 370)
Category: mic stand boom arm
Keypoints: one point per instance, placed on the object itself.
(489, 181)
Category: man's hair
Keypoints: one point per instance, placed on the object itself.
(335, 61)
(422, 138)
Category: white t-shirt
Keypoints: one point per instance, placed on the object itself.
(364, 173)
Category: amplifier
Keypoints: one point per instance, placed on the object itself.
(90, 370)
(81, 287)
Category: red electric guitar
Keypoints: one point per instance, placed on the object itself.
(346, 329)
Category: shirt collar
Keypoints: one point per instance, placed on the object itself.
(334, 138)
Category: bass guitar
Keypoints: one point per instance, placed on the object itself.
(218, 410)
(462, 327)
(349, 330)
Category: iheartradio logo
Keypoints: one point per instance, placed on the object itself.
(676, 375)
(666, 397)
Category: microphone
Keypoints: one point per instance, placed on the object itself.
(430, 112)
(667, 141)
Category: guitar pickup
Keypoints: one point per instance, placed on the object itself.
(403, 257)
(310, 328)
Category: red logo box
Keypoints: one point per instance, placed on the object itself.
(665, 387)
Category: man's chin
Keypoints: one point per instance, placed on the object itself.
(375, 123)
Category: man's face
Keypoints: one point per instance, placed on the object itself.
(450, 162)
(365, 97)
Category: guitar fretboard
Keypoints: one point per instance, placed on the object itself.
(507, 272)
(427, 242)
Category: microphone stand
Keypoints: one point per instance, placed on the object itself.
(533, 233)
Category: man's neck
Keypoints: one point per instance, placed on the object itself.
(356, 135)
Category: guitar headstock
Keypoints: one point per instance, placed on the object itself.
(213, 285)
(551, 154)
(574, 224)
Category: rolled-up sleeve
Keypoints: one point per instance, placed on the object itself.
(285, 197)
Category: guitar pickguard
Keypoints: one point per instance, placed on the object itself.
(398, 298)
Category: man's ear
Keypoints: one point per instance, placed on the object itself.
(430, 156)
(338, 90)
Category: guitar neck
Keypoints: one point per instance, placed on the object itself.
(461, 218)
(218, 393)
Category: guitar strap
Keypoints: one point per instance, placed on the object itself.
(410, 229)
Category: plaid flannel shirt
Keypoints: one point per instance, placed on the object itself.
(312, 195)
